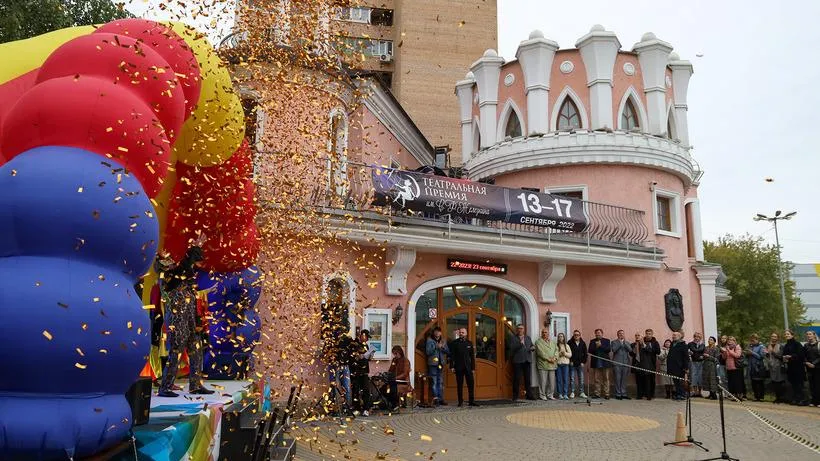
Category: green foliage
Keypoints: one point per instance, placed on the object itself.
(750, 265)
(21, 19)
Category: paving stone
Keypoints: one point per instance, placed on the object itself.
(617, 430)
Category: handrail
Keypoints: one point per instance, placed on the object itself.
(608, 223)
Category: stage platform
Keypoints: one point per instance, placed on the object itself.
(229, 424)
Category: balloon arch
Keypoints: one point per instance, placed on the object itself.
(116, 143)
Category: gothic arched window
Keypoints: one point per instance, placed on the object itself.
(568, 116)
(513, 128)
(629, 117)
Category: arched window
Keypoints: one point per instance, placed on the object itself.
(568, 116)
(629, 117)
(338, 153)
(513, 128)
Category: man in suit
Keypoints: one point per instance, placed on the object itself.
(520, 351)
(677, 363)
(462, 363)
(621, 349)
(648, 350)
(599, 349)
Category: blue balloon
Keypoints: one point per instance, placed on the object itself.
(76, 232)
(59, 427)
(235, 326)
(71, 203)
(60, 320)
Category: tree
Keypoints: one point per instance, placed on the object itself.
(750, 265)
(21, 19)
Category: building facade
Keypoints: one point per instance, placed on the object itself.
(415, 48)
(594, 123)
(806, 278)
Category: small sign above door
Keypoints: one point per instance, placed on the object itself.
(476, 266)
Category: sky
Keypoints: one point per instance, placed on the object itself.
(752, 98)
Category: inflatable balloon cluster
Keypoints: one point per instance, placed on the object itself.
(94, 124)
(235, 325)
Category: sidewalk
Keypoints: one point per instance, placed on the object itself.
(617, 430)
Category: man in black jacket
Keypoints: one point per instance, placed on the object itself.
(360, 372)
(462, 363)
(677, 363)
(648, 350)
(578, 348)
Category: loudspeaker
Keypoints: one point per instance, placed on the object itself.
(139, 398)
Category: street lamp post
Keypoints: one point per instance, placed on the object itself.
(778, 215)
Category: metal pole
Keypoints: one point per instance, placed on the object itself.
(780, 275)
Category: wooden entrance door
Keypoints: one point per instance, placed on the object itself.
(489, 315)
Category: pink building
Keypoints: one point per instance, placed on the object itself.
(593, 123)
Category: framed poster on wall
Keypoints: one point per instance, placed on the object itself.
(377, 322)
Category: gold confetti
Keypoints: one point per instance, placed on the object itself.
(47, 335)
(80, 366)
(80, 351)
(426, 438)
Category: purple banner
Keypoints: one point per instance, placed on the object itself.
(440, 195)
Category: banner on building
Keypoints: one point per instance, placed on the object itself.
(440, 195)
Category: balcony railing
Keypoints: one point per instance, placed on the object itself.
(607, 224)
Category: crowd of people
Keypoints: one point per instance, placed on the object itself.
(694, 368)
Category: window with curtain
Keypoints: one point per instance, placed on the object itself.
(664, 206)
(568, 116)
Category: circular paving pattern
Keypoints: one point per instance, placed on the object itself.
(581, 421)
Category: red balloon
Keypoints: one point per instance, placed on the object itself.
(231, 253)
(170, 46)
(130, 65)
(91, 114)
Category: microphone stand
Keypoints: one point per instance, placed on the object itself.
(689, 438)
(589, 401)
(723, 454)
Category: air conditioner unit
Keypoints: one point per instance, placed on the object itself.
(386, 58)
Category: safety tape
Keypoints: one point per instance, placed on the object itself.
(778, 428)
(646, 370)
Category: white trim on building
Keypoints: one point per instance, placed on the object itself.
(674, 211)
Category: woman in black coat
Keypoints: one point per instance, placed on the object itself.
(795, 359)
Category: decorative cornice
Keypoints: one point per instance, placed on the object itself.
(549, 275)
(536, 87)
(399, 262)
(707, 274)
(583, 147)
(397, 122)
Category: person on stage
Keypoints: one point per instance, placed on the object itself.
(812, 357)
(696, 349)
(578, 361)
(360, 371)
(181, 317)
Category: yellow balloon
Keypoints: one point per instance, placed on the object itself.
(23, 56)
(216, 127)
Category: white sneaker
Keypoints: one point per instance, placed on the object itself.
(365, 413)
(572, 395)
(552, 398)
(542, 398)
(583, 396)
